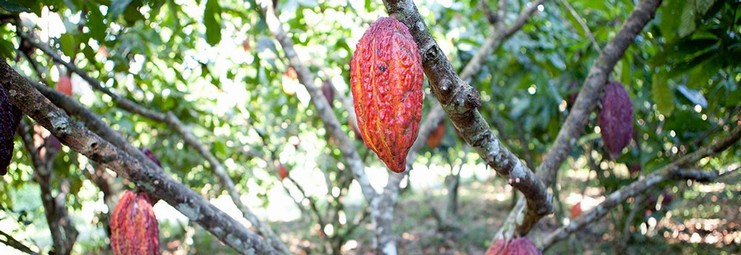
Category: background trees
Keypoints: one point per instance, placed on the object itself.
(228, 94)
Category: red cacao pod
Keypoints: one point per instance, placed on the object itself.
(65, 85)
(436, 138)
(150, 155)
(10, 116)
(386, 81)
(134, 227)
(282, 171)
(616, 118)
(518, 246)
(576, 210)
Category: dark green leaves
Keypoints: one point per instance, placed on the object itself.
(118, 7)
(212, 20)
(13, 6)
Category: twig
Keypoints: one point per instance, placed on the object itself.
(667, 172)
(151, 179)
(10, 241)
(583, 24)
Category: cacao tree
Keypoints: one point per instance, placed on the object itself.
(330, 127)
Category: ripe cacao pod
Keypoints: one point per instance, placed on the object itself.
(134, 227)
(386, 81)
(576, 210)
(10, 117)
(282, 171)
(616, 118)
(518, 246)
(65, 85)
(437, 136)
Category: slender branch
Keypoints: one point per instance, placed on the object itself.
(122, 102)
(8, 240)
(593, 85)
(62, 230)
(488, 13)
(582, 23)
(308, 80)
(149, 178)
(312, 203)
(174, 123)
(460, 101)
(670, 171)
(585, 103)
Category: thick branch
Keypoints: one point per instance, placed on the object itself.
(671, 171)
(460, 101)
(156, 182)
(100, 128)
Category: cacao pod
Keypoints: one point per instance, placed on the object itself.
(147, 152)
(576, 210)
(134, 227)
(518, 246)
(282, 171)
(437, 136)
(291, 73)
(65, 85)
(10, 117)
(328, 91)
(616, 118)
(386, 81)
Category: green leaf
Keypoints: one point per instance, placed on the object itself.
(68, 43)
(662, 94)
(96, 24)
(118, 7)
(13, 6)
(212, 20)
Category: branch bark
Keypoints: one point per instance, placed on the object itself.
(671, 171)
(151, 179)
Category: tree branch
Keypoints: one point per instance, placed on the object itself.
(8, 240)
(331, 124)
(583, 24)
(584, 105)
(593, 85)
(62, 230)
(149, 178)
(169, 119)
(671, 171)
(460, 101)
